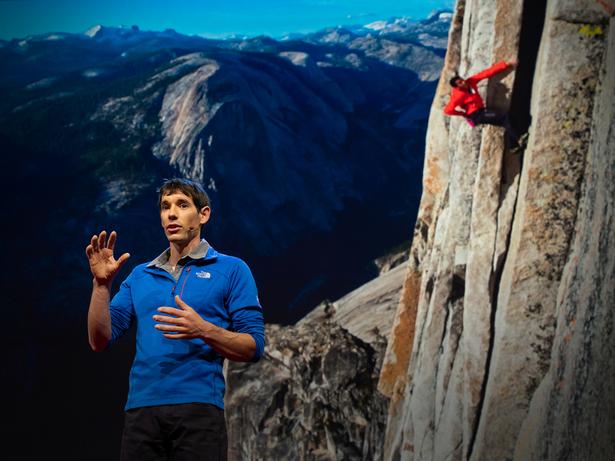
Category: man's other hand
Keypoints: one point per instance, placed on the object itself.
(187, 323)
(103, 264)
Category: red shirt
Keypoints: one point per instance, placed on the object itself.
(470, 101)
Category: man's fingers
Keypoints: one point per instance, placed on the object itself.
(164, 318)
(101, 239)
(89, 251)
(176, 336)
(172, 311)
(164, 327)
(94, 243)
(176, 328)
(111, 242)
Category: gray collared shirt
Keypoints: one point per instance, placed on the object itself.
(162, 261)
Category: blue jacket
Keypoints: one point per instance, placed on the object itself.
(169, 371)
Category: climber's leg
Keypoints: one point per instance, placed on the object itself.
(490, 117)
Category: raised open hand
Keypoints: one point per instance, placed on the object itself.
(103, 264)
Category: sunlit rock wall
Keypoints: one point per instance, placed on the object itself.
(503, 340)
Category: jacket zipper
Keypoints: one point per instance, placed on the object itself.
(181, 293)
(187, 270)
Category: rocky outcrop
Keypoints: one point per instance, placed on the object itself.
(368, 311)
(318, 401)
(392, 260)
(503, 340)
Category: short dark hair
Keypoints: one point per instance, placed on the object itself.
(453, 81)
(191, 188)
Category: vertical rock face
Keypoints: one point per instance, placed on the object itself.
(577, 395)
(503, 340)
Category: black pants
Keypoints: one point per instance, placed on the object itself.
(186, 432)
(490, 117)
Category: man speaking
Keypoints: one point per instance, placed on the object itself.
(192, 308)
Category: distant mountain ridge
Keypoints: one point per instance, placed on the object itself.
(432, 24)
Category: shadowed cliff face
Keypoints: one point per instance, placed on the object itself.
(503, 343)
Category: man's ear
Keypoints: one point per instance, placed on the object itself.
(204, 214)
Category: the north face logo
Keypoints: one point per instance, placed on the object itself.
(203, 275)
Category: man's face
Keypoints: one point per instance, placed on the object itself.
(180, 218)
(461, 83)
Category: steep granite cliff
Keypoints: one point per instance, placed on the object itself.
(502, 346)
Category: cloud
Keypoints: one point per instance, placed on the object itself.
(360, 15)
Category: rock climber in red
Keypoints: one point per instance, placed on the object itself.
(466, 101)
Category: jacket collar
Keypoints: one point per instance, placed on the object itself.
(203, 251)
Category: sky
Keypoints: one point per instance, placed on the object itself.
(208, 18)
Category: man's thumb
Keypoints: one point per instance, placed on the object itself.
(181, 303)
(123, 259)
